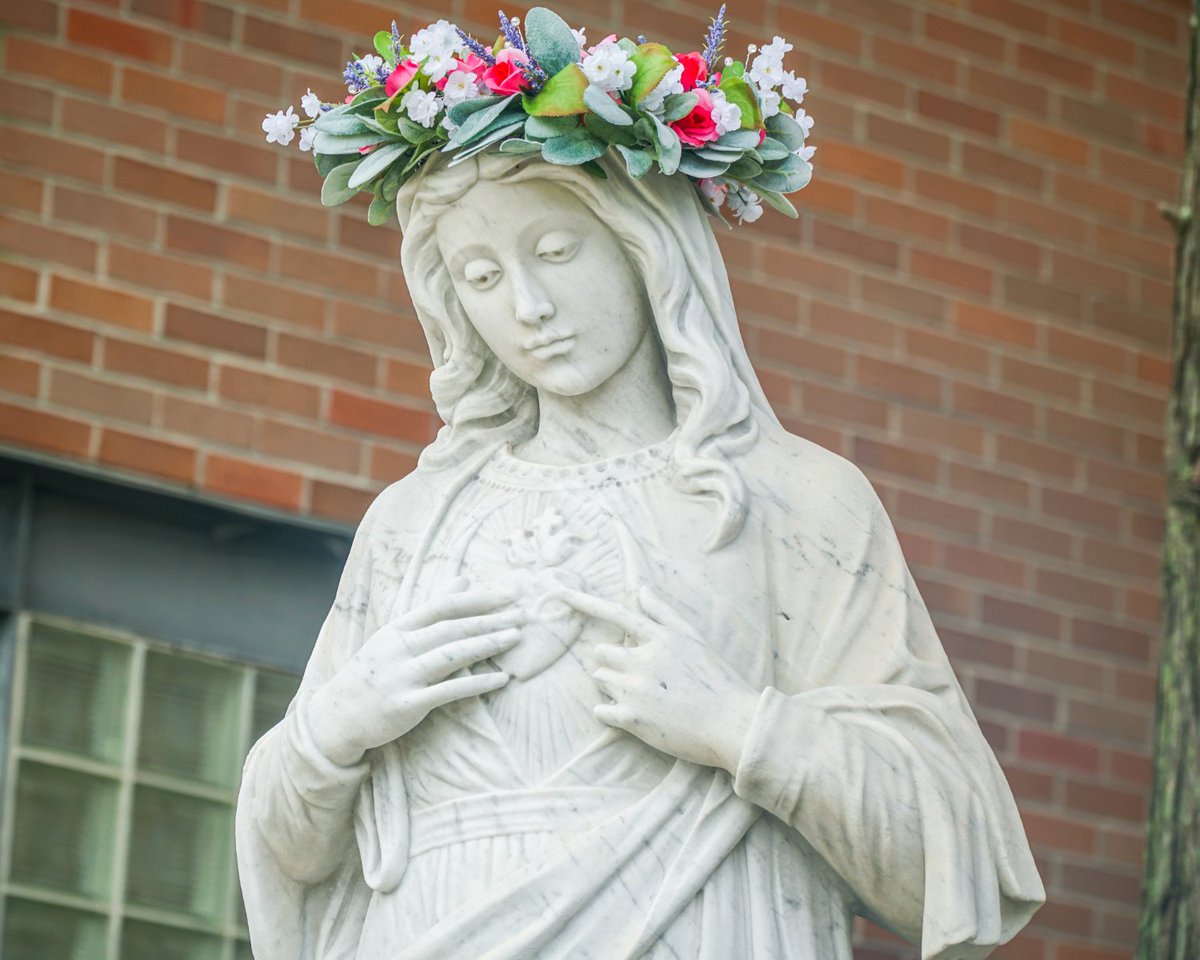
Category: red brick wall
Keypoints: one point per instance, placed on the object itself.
(974, 307)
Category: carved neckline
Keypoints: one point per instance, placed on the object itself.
(507, 469)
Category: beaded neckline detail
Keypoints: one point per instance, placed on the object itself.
(508, 470)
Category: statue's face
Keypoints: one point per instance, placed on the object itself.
(546, 285)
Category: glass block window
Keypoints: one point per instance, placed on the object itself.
(122, 776)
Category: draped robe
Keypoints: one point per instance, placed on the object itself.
(864, 786)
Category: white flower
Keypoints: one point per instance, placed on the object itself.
(609, 67)
(745, 205)
(766, 71)
(449, 125)
(280, 127)
(371, 65)
(769, 99)
(671, 83)
(714, 190)
(776, 49)
(422, 106)
(805, 153)
(307, 136)
(310, 103)
(580, 36)
(437, 40)
(727, 116)
(794, 87)
(460, 86)
(805, 121)
(436, 67)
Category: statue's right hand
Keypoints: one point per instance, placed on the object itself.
(407, 668)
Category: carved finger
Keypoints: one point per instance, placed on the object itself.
(454, 606)
(628, 620)
(437, 665)
(662, 612)
(613, 655)
(607, 681)
(613, 715)
(460, 688)
(438, 635)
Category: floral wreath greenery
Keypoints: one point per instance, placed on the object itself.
(544, 91)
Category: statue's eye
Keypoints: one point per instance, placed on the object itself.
(557, 246)
(482, 274)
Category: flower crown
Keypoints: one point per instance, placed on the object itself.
(544, 91)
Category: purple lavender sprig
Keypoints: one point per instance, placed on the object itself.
(356, 77)
(512, 33)
(477, 48)
(397, 42)
(714, 39)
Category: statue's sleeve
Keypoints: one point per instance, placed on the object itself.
(306, 825)
(871, 751)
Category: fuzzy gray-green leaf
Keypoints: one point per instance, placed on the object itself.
(336, 187)
(573, 150)
(375, 162)
(637, 162)
(679, 105)
(601, 104)
(550, 40)
(327, 143)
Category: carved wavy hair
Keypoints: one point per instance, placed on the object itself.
(663, 229)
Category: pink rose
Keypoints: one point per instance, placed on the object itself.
(695, 70)
(398, 79)
(698, 127)
(505, 77)
(472, 64)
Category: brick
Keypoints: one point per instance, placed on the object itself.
(101, 303)
(1108, 722)
(25, 102)
(303, 445)
(256, 388)
(1001, 247)
(245, 480)
(1056, 750)
(19, 376)
(1113, 639)
(793, 352)
(842, 406)
(148, 362)
(1048, 141)
(992, 405)
(389, 465)
(194, 15)
(354, 276)
(1003, 167)
(17, 282)
(1109, 44)
(903, 299)
(22, 193)
(235, 156)
(920, 61)
(945, 351)
(1142, 326)
(1076, 590)
(43, 431)
(39, 16)
(295, 43)
(216, 242)
(956, 113)
(986, 565)
(855, 162)
(951, 517)
(385, 328)
(1041, 379)
(339, 502)
(118, 36)
(277, 212)
(823, 33)
(1053, 65)
(1037, 297)
(1058, 833)
(898, 380)
(955, 33)
(113, 125)
(381, 418)
(118, 218)
(157, 273)
(1086, 433)
(1043, 458)
(142, 454)
(175, 97)
(32, 58)
(872, 456)
(1022, 17)
(1021, 617)
(1102, 883)
(217, 332)
(1125, 167)
(218, 425)
(164, 184)
(227, 68)
(950, 271)
(863, 84)
(1036, 538)
(859, 245)
(1079, 673)
(46, 336)
(957, 193)
(1009, 698)
(48, 154)
(987, 84)
(907, 220)
(96, 396)
(1141, 19)
(988, 485)
(274, 300)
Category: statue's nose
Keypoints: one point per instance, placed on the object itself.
(531, 304)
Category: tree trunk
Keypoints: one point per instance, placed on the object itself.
(1170, 923)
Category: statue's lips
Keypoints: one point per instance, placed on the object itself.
(546, 349)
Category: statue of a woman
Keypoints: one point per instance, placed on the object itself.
(622, 669)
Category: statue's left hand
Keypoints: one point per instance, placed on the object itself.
(669, 688)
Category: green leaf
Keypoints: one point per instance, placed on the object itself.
(737, 140)
(609, 132)
(788, 176)
(594, 169)
(698, 167)
(327, 143)
(327, 161)
(668, 147)
(637, 162)
(653, 61)
(573, 150)
(380, 211)
(550, 40)
(389, 186)
(336, 187)
(543, 128)
(521, 147)
(383, 123)
(460, 111)
(735, 69)
(481, 120)
(786, 130)
(375, 162)
(628, 46)
(737, 91)
(679, 105)
(493, 136)
(601, 104)
(340, 125)
(745, 168)
(366, 100)
(780, 203)
(414, 133)
(383, 46)
(561, 96)
(772, 149)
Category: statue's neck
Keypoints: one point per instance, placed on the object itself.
(631, 410)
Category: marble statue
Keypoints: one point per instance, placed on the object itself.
(622, 669)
